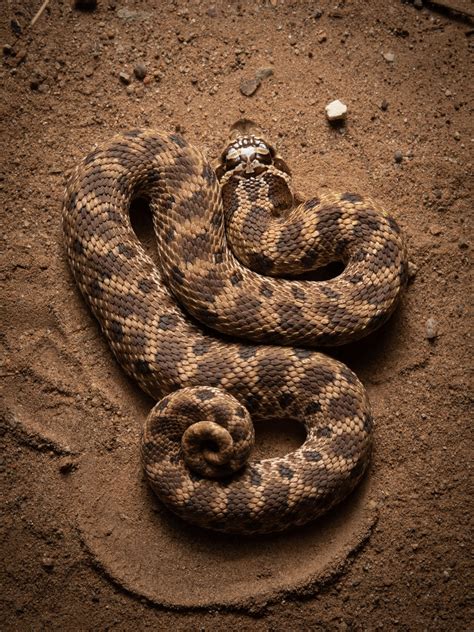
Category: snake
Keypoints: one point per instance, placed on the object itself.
(224, 325)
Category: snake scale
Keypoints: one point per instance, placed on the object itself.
(222, 328)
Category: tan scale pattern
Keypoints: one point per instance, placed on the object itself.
(198, 438)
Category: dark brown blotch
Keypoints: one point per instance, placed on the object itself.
(168, 322)
(266, 290)
(312, 408)
(142, 367)
(289, 236)
(260, 262)
(344, 405)
(351, 197)
(298, 292)
(312, 455)
(285, 399)
(285, 471)
(247, 351)
(126, 250)
(116, 331)
(309, 204)
(146, 285)
(208, 174)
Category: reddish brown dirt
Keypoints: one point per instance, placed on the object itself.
(67, 406)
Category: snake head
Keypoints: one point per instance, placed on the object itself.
(248, 153)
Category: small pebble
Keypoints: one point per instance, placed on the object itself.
(389, 57)
(463, 244)
(317, 13)
(212, 12)
(125, 78)
(448, 93)
(140, 71)
(431, 329)
(16, 27)
(412, 270)
(249, 86)
(322, 37)
(7, 49)
(384, 105)
(263, 73)
(398, 156)
(435, 230)
(418, 4)
(336, 110)
(457, 136)
(67, 465)
(292, 40)
(47, 563)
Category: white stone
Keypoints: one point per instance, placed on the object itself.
(336, 110)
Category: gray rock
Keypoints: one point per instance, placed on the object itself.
(249, 86)
(431, 329)
(263, 73)
(398, 156)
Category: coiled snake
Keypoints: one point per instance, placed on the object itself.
(224, 237)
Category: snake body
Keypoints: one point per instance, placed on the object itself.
(216, 334)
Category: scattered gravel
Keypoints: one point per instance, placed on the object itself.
(336, 110)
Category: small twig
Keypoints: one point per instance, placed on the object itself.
(39, 12)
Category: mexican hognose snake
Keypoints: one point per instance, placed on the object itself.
(198, 437)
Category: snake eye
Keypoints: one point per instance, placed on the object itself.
(264, 155)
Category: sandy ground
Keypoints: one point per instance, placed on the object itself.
(72, 420)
